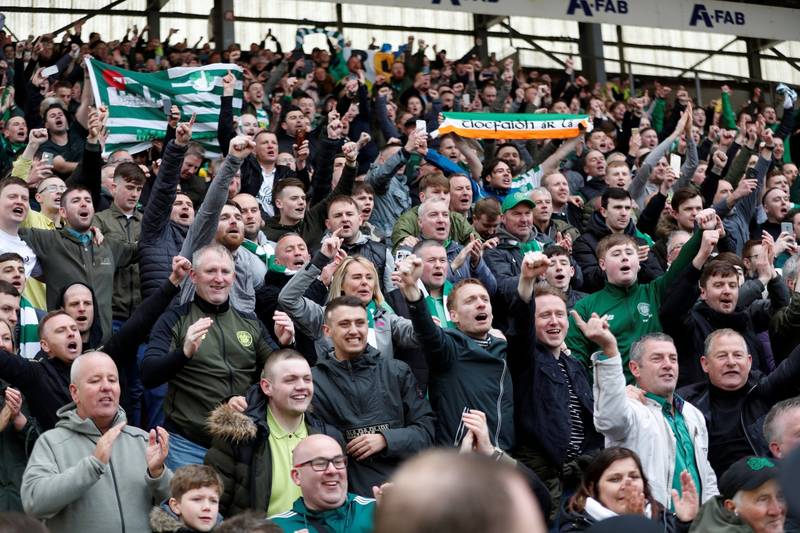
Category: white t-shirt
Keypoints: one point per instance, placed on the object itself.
(265, 192)
(12, 243)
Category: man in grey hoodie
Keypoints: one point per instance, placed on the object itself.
(80, 471)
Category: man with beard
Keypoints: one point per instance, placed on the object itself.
(221, 221)
(735, 401)
(71, 254)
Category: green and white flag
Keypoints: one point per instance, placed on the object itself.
(139, 102)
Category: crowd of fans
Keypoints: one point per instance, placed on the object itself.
(607, 328)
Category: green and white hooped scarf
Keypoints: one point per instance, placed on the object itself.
(272, 266)
(262, 252)
(438, 310)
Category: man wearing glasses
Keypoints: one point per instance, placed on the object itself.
(48, 194)
(320, 470)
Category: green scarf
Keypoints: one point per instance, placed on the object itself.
(531, 246)
(437, 309)
(275, 267)
(256, 249)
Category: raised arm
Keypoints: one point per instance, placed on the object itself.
(205, 222)
(163, 192)
(308, 315)
(613, 415)
(440, 350)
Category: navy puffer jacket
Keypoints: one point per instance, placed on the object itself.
(161, 238)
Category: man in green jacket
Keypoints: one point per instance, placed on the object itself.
(71, 255)
(320, 470)
(207, 351)
(631, 307)
(123, 222)
(407, 230)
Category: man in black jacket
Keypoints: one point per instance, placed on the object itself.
(291, 254)
(45, 380)
(248, 429)
(553, 405)
(467, 364)
(614, 216)
(374, 401)
(736, 402)
(718, 290)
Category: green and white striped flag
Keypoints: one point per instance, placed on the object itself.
(139, 102)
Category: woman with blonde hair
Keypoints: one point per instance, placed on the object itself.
(353, 276)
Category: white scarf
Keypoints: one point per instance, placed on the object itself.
(600, 512)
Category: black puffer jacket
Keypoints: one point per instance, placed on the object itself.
(584, 250)
(242, 456)
(161, 238)
(689, 323)
(267, 304)
(373, 394)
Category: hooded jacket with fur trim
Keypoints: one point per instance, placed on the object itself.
(241, 453)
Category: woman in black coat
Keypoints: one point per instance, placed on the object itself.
(614, 484)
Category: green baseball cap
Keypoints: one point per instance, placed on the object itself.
(513, 200)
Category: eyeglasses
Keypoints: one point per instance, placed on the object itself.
(320, 464)
(53, 188)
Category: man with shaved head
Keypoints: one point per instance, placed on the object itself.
(264, 427)
(320, 470)
(92, 459)
(456, 492)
